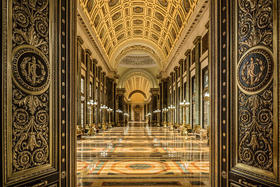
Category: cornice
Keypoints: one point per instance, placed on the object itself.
(89, 32)
(202, 6)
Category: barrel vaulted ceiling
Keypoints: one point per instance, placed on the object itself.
(151, 24)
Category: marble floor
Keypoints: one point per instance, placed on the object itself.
(139, 155)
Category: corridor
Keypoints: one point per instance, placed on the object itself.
(139, 155)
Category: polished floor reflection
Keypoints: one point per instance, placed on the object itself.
(139, 155)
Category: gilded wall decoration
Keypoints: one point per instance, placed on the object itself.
(255, 19)
(31, 80)
(255, 137)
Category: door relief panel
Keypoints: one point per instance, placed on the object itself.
(30, 130)
(255, 67)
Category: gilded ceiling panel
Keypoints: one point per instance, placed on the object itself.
(157, 21)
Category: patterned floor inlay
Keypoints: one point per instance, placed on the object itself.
(142, 183)
(138, 155)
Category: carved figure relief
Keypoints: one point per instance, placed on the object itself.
(30, 69)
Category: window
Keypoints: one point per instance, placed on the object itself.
(205, 97)
(193, 99)
(82, 85)
(90, 90)
(205, 43)
(82, 114)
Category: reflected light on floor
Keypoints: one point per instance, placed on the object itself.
(139, 155)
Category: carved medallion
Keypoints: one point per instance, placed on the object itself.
(255, 70)
(30, 70)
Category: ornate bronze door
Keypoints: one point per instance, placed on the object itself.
(245, 92)
(37, 48)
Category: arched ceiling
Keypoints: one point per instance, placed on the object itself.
(137, 82)
(154, 24)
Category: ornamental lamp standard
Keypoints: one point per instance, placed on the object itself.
(109, 110)
(126, 115)
(171, 108)
(149, 116)
(184, 104)
(165, 110)
(103, 109)
(118, 116)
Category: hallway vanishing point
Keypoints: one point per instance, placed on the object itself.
(139, 155)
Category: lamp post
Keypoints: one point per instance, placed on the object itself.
(184, 104)
(171, 108)
(109, 110)
(126, 115)
(148, 116)
(119, 112)
(165, 110)
(157, 111)
(103, 109)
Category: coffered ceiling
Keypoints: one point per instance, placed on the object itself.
(152, 24)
